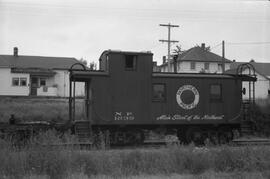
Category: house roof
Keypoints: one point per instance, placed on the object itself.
(262, 68)
(20, 61)
(199, 54)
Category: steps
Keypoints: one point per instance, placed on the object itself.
(246, 123)
(246, 128)
(83, 130)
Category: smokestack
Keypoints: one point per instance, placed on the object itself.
(15, 51)
(223, 56)
(203, 46)
(175, 63)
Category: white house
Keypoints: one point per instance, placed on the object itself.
(262, 85)
(36, 76)
(197, 60)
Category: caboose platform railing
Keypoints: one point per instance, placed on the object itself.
(82, 126)
(72, 91)
(248, 103)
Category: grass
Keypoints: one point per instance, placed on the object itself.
(38, 161)
(206, 175)
(37, 109)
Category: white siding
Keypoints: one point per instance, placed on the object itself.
(184, 67)
(51, 91)
(56, 86)
(7, 88)
(262, 85)
(62, 81)
(164, 68)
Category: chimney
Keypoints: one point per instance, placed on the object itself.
(15, 51)
(164, 59)
(203, 46)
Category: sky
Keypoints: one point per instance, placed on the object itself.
(85, 28)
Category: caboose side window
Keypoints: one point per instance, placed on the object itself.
(159, 92)
(130, 62)
(215, 92)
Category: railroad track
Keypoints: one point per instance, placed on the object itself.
(157, 145)
(245, 142)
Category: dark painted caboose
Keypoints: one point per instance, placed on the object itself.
(136, 105)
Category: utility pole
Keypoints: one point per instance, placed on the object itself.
(169, 41)
(223, 56)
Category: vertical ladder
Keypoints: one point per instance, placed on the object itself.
(246, 123)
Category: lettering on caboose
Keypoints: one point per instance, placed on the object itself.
(189, 117)
(124, 116)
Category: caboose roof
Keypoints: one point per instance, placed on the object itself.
(127, 52)
(84, 75)
(203, 75)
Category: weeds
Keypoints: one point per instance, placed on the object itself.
(61, 162)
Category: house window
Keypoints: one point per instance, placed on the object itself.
(15, 81)
(192, 65)
(159, 93)
(23, 81)
(219, 67)
(130, 62)
(215, 92)
(206, 66)
(42, 82)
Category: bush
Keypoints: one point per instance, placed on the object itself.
(261, 120)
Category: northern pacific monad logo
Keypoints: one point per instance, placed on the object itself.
(187, 97)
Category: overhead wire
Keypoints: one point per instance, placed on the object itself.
(247, 43)
(215, 46)
(80, 10)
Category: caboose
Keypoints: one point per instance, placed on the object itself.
(136, 105)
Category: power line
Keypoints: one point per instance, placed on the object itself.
(215, 46)
(247, 43)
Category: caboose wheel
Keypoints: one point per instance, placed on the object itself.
(194, 134)
(225, 135)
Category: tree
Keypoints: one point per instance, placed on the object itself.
(178, 50)
(84, 62)
(93, 66)
(208, 49)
